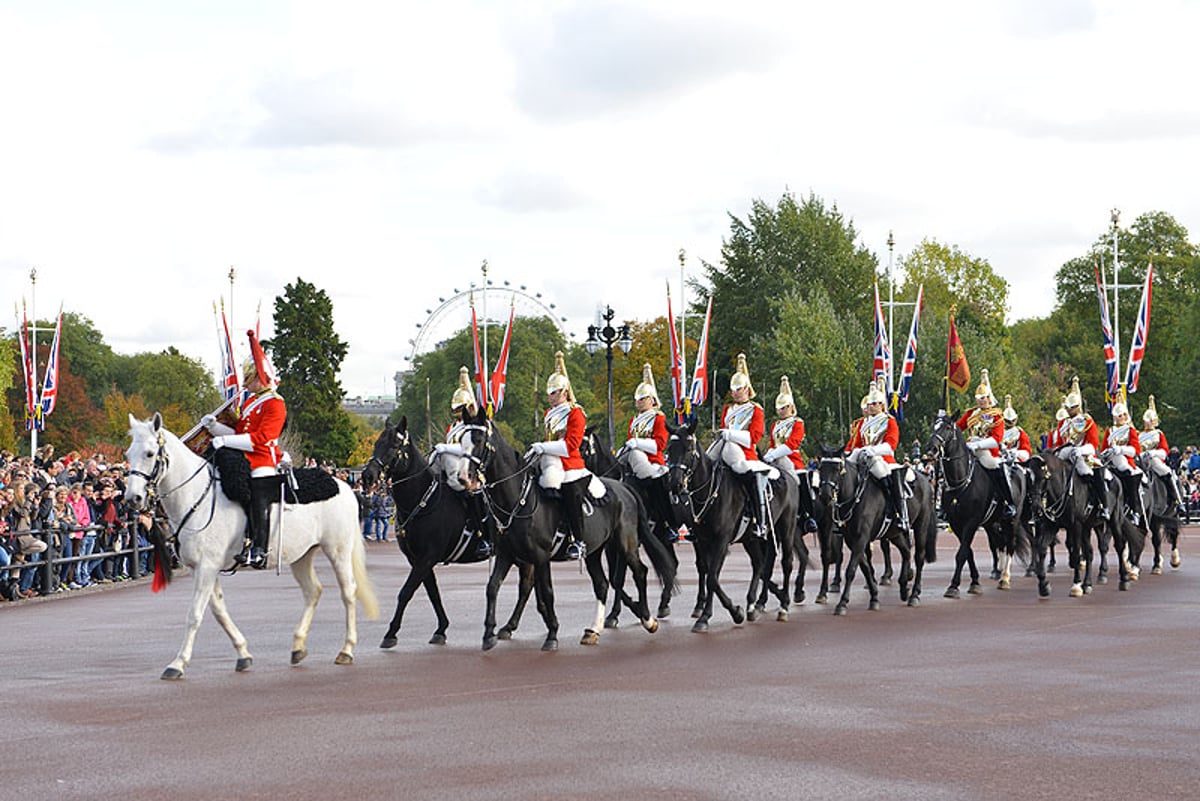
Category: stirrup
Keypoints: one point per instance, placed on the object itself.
(258, 558)
(483, 548)
(576, 550)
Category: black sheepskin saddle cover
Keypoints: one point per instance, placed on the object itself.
(312, 483)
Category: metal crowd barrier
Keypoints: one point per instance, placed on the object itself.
(49, 561)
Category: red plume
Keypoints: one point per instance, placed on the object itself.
(262, 362)
(160, 577)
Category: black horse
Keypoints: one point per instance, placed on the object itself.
(858, 506)
(430, 526)
(1062, 500)
(1163, 514)
(599, 459)
(829, 534)
(970, 501)
(715, 499)
(529, 523)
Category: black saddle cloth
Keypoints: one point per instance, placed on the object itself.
(312, 483)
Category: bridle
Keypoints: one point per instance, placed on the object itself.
(940, 441)
(162, 461)
(833, 485)
(685, 470)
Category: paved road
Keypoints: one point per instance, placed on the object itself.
(1000, 696)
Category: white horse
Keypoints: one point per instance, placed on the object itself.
(211, 530)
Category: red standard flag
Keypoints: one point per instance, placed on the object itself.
(699, 392)
(499, 375)
(676, 361)
(27, 366)
(481, 387)
(958, 372)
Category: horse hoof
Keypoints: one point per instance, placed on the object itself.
(873, 605)
(551, 644)
(839, 610)
(700, 626)
(1029, 571)
(698, 611)
(914, 601)
(1176, 561)
(1156, 571)
(437, 639)
(781, 616)
(171, 674)
(738, 616)
(650, 625)
(1004, 584)
(504, 634)
(799, 599)
(751, 615)
(388, 642)
(1076, 591)
(664, 610)
(1087, 590)
(1123, 586)
(885, 581)
(974, 589)
(244, 664)
(343, 658)
(822, 599)
(951, 593)
(995, 575)
(1101, 579)
(589, 637)
(298, 655)
(1135, 573)
(610, 623)
(1051, 568)
(489, 643)
(835, 587)
(1044, 590)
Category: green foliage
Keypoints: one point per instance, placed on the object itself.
(308, 354)
(167, 380)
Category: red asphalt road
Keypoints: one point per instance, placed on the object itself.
(1000, 696)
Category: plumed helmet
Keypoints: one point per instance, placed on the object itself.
(1073, 398)
(463, 396)
(1150, 416)
(260, 362)
(646, 389)
(1061, 414)
(1119, 410)
(741, 376)
(984, 390)
(862, 404)
(558, 379)
(1010, 414)
(784, 398)
(875, 394)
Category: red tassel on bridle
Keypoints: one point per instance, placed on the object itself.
(160, 577)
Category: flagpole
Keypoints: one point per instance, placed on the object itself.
(487, 401)
(946, 375)
(1116, 216)
(37, 400)
(891, 241)
(683, 335)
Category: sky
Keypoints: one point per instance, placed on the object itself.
(383, 150)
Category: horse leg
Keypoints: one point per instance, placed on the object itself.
(435, 598)
(591, 634)
(762, 560)
(886, 579)
(905, 568)
(416, 576)
(524, 589)
(1102, 549)
(702, 597)
(500, 569)
(1005, 571)
(960, 559)
(221, 613)
(1038, 557)
(306, 576)
(801, 562)
(1156, 540)
(545, 590)
(616, 569)
(664, 601)
(857, 560)
(787, 563)
(203, 585)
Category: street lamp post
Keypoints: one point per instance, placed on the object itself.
(606, 337)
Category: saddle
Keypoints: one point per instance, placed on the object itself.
(312, 484)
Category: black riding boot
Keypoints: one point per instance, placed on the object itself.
(1008, 509)
(895, 487)
(263, 492)
(808, 503)
(483, 523)
(658, 504)
(1180, 506)
(1099, 492)
(572, 506)
(1133, 498)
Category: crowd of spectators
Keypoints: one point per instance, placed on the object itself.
(60, 508)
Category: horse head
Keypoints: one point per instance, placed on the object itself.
(597, 456)
(682, 457)
(147, 460)
(1048, 477)
(479, 450)
(391, 455)
(945, 438)
(831, 472)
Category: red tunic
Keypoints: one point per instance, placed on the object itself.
(1153, 440)
(262, 418)
(754, 425)
(657, 432)
(1022, 443)
(1088, 436)
(982, 424)
(889, 434)
(572, 435)
(1129, 437)
(790, 433)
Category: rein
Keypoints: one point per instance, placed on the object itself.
(162, 463)
(837, 505)
(943, 458)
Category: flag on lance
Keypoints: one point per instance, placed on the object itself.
(500, 374)
(699, 393)
(1141, 330)
(882, 365)
(677, 376)
(910, 350)
(50, 387)
(481, 387)
(231, 383)
(958, 372)
(27, 366)
(1110, 347)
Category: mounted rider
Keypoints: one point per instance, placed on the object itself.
(1016, 449)
(1081, 440)
(984, 427)
(874, 442)
(1154, 443)
(256, 434)
(462, 406)
(1054, 439)
(1118, 449)
(562, 465)
(742, 422)
(787, 433)
(644, 453)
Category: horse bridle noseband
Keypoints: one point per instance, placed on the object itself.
(161, 462)
(942, 457)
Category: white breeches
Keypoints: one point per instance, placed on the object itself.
(1121, 463)
(1080, 457)
(641, 465)
(733, 455)
(784, 465)
(879, 468)
(1158, 467)
(986, 460)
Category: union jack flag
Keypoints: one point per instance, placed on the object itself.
(699, 392)
(1141, 330)
(677, 377)
(910, 351)
(1110, 348)
(882, 365)
(27, 366)
(231, 382)
(50, 387)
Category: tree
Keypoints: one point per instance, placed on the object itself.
(90, 356)
(308, 354)
(9, 369)
(167, 380)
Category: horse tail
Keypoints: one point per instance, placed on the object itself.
(362, 582)
(656, 549)
(162, 558)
